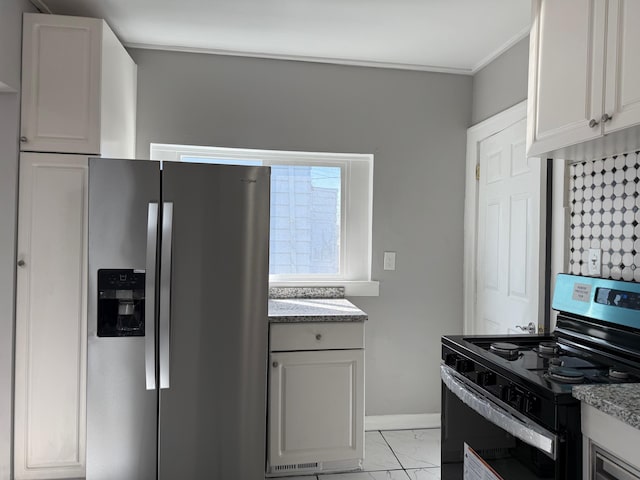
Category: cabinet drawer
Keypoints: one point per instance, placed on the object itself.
(316, 336)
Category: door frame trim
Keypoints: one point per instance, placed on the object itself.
(475, 135)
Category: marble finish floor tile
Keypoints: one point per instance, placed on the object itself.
(415, 448)
(418, 452)
(424, 473)
(380, 475)
(377, 454)
(303, 477)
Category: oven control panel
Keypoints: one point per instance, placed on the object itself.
(495, 384)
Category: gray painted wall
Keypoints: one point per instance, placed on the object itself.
(502, 83)
(10, 53)
(413, 122)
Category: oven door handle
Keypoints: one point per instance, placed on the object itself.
(530, 433)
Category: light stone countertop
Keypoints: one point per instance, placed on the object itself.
(294, 310)
(306, 292)
(621, 401)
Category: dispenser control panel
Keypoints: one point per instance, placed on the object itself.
(121, 303)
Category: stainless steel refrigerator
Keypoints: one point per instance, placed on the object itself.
(177, 335)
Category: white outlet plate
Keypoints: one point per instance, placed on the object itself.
(389, 261)
(595, 261)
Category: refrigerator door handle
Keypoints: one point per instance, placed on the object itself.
(165, 294)
(150, 298)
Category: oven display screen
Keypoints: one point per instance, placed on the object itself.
(618, 298)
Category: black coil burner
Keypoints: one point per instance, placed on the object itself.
(619, 373)
(509, 351)
(565, 375)
(548, 348)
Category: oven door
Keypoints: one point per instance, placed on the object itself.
(511, 445)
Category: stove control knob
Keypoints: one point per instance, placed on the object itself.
(515, 398)
(450, 359)
(530, 402)
(505, 392)
(518, 402)
(486, 378)
(463, 365)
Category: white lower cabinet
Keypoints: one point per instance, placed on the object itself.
(609, 447)
(50, 361)
(316, 399)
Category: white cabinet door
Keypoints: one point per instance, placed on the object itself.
(584, 79)
(78, 88)
(566, 73)
(51, 317)
(61, 84)
(316, 409)
(622, 96)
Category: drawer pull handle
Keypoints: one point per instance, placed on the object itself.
(318, 337)
(275, 364)
(593, 123)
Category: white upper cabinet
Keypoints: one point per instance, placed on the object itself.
(78, 88)
(584, 79)
(622, 94)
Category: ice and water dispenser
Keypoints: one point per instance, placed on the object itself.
(120, 303)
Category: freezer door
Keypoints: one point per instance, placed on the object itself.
(213, 411)
(121, 411)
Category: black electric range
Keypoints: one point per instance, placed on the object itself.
(506, 400)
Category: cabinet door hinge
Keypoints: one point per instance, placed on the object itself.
(477, 171)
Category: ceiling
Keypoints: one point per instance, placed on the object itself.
(459, 36)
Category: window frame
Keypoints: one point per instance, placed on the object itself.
(356, 208)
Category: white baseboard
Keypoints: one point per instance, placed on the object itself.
(402, 422)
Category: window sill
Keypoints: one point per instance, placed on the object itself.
(369, 288)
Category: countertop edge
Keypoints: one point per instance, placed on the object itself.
(319, 319)
(314, 310)
(611, 400)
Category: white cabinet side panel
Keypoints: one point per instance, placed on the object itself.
(51, 318)
(118, 99)
(609, 432)
(623, 65)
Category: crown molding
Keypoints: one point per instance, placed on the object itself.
(302, 58)
(506, 46)
(41, 6)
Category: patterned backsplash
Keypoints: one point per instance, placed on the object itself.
(605, 213)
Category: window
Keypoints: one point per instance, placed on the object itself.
(321, 208)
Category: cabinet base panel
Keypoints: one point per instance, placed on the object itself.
(308, 468)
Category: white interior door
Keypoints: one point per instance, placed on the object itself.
(510, 263)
